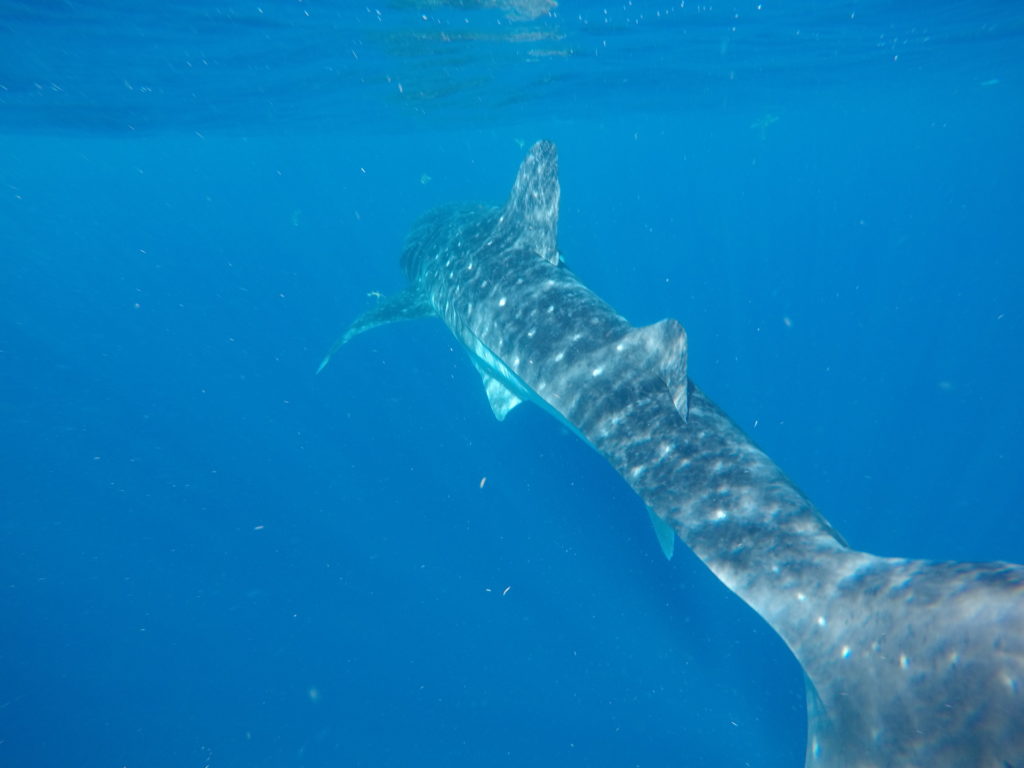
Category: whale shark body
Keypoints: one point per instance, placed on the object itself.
(906, 662)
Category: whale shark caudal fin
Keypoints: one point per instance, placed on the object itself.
(915, 664)
(407, 305)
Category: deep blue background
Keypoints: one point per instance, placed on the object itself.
(211, 557)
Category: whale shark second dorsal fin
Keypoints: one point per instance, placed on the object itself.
(530, 217)
(663, 346)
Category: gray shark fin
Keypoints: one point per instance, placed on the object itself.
(530, 217)
(664, 533)
(501, 398)
(665, 347)
(407, 305)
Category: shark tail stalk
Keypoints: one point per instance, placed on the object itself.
(908, 663)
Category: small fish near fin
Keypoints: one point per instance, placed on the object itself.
(407, 305)
(530, 217)
(664, 345)
(664, 533)
(501, 398)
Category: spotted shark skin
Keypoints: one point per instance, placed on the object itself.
(907, 663)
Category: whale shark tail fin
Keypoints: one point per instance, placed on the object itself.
(407, 305)
(530, 217)
(915, 663)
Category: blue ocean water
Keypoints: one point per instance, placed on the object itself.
(211, 557)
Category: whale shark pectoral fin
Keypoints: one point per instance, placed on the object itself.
(664, 533)
(664, 345)
(530, 217)
(501, 398)
(407, 305)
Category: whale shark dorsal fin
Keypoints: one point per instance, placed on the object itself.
(407, 305)
(664, 533)
(530, 217)
(501, 398)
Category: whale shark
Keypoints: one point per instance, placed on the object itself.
(908, 663)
